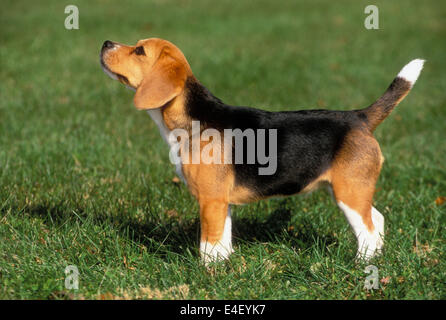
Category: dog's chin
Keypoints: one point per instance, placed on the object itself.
(107, 70)
(116, 76)
(125, 81)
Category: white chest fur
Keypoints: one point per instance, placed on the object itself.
(157, 117)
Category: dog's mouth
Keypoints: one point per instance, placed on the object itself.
(113, 75)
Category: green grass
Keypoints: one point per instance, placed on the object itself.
(85, 178)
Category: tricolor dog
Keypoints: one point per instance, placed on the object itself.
(313, 147)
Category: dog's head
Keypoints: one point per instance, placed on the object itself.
(156, 69)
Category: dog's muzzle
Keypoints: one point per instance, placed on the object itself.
(106, 46)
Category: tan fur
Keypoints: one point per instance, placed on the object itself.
(355, 171)
(242, 195)
(323, 179)
(212, 219)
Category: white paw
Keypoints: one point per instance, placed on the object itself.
(215, 252)
(368, 245)
(222, 249)
(378, 222)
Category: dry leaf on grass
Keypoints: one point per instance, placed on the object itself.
(172, 213)
(422, 249)
(440, 200)
(127, 265)
(385, 280)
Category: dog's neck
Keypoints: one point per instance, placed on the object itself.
(193, 104)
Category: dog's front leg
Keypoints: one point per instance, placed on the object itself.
(216, 238)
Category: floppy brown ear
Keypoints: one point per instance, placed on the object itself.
(164, 83)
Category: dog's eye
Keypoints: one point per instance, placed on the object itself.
(139, 51)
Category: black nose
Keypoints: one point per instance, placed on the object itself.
(107, 44)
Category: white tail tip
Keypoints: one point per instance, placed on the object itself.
(411, 71)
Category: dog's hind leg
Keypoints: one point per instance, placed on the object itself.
(354, 176)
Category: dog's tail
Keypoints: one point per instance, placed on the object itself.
(396, 92)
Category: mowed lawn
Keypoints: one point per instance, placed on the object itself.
(85, 178)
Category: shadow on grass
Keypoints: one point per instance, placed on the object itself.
(175, 234)
(278, 229)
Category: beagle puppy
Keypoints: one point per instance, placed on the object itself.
(312, 147)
